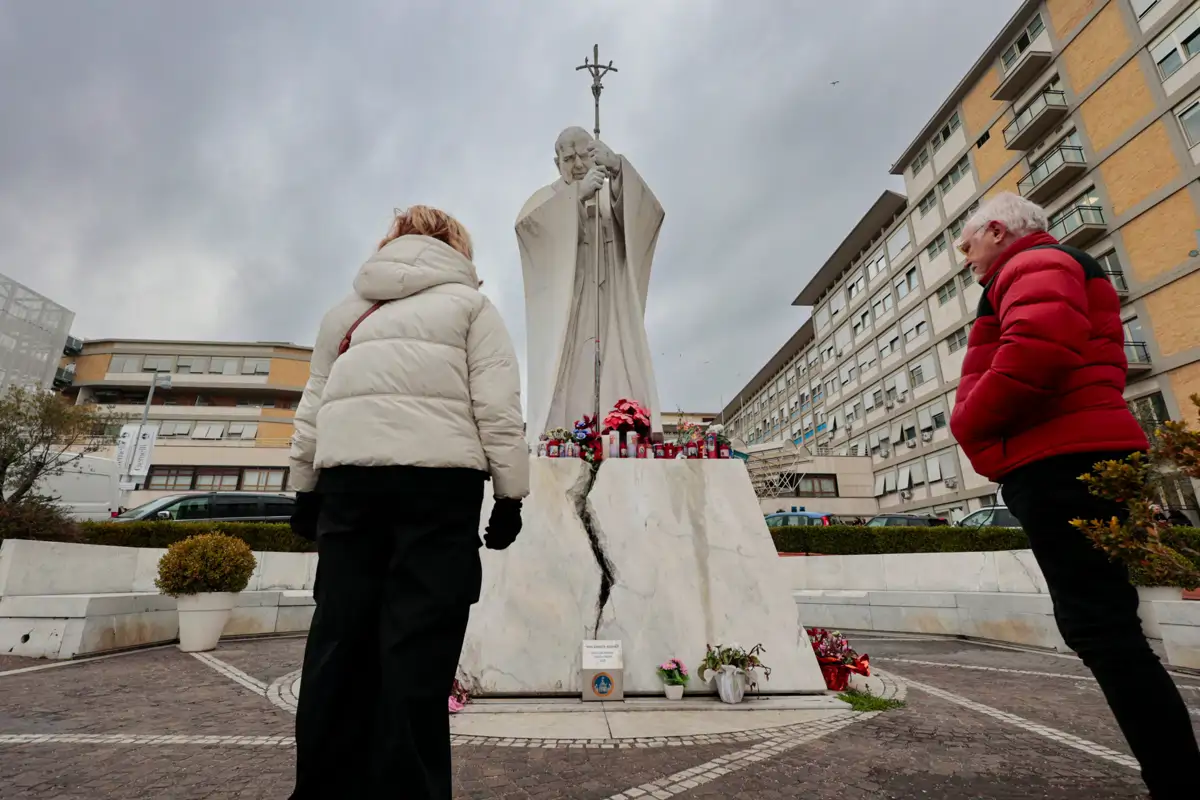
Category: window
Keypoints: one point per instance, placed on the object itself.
(914, 326)
(1084, 209)
(818, 392)
(889, 343)
(256, 366)
(936, 247)
(265, 480)
(157, 364)
(1178, 46)
(960, 223)
(203, 400)
(278, 507)
(842, 339)
(906, 283)
(966, 277)
(1151, 411)
(176, 478)
(947, 292)
(932, 417)
(821, 318)
(816, 486)
(866, 359)
(927, 204)
(1189, 120)
(956, 174)
(174, 428)
(208, 430)
(848, 372)
(919, 161)
(877, 266)
(827, 352)
(230, 506)
(922, 371)
(898, 244)
(957, 340)
(855, 288)
(211, 479)
(939, 138)
(882, 303)
(243, 430)
(125, 364)
(192, 365)
(837, 303)
(224, 366)
(862, 321)
(1140, 7)
(1014, 50)
(190, 508)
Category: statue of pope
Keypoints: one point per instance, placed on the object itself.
(556, 230)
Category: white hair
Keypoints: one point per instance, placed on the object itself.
(1020, 216)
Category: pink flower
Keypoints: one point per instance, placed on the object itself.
(455, 706)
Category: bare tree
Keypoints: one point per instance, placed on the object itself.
(41, 433)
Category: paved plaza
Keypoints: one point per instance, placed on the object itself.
(981, 721)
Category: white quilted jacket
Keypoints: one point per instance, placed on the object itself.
(430, 379)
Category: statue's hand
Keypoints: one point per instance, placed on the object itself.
(602, 154)
(591, 183)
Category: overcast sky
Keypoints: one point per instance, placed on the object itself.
(220, 170)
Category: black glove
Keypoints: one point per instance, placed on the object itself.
(304, 518)
(505, 524)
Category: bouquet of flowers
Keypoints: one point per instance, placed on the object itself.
(459, 697)
(718, 430)
(585, 435)
(628, 416)
(837, 658)
(688, 432)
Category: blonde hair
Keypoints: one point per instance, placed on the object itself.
(427, 221)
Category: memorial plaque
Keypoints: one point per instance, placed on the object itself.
(603, 671)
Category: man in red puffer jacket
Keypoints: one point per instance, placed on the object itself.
(1041, 401)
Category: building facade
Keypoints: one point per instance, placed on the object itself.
(224, 424)
(33, 336)
(1091, 108)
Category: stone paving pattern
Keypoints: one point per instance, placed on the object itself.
(933, 749)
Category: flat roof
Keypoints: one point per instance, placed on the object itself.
(798, 341)
(985, 62)
(875, 220)
(194, 343)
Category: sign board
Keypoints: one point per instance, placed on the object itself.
(603, 671)
(140, 439)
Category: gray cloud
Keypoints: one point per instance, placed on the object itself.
(220, 170)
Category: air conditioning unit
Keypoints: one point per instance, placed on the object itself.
(902, 398)
(911, 442)
(885, 453)
(926, 436)
(906, 494)
(951, 483)
(889, 405)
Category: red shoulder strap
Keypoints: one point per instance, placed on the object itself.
(345, 345)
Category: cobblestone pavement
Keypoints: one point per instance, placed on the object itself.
(981, 722)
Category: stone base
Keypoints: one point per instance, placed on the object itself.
(693, 564)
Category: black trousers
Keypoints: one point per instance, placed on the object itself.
(398, 573)
(1096, 609)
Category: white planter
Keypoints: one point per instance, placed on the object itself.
(673, 692)
(1147, 597)
(202, 617)
(731, 683)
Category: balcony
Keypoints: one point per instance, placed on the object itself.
(1117, 278)
(73, 346)
(1038, 119)
(1021, 73)
(1138, 356)
(1078, 225)
(1054, 172)
(63, 378)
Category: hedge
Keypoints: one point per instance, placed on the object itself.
(850, 540)
(271, 537)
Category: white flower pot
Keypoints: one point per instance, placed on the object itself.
(673, 692)
(202, 617)
(1147, 613)
(731, 683)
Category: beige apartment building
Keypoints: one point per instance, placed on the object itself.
(1088, 107)
(224, 424)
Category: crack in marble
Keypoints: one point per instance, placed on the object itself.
(587, 518)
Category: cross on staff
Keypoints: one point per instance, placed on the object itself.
(597, 71)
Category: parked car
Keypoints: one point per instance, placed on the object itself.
(227, 506)
(990, 517)
(906, 521)
(799, 519)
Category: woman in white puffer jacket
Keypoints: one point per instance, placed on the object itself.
(414, 400)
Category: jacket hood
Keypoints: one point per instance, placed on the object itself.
(411, 264)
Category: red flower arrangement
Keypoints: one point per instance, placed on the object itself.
(837, 658)
(628, 416)
(591, 446)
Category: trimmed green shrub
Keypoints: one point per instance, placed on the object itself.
(35, 518)
(270, 537)
(852, 540)
(208, 562)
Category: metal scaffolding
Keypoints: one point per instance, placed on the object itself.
(33, 330)
(775, 468)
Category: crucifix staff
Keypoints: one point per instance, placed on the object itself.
(597, 71)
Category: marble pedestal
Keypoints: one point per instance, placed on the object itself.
(693, 564)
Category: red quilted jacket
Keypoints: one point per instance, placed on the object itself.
(1045, 366)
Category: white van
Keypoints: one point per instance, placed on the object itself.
(87, 487)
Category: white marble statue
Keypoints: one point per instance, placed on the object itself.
(555, 230)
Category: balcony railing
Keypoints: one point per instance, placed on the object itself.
(1020, 73)
(73, 346)
(1053, 172)
(1138, 355)
(63, 377)
(1029, 126)
(1118, 281)
(1077, 224)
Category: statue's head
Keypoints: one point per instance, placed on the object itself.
(570, 154)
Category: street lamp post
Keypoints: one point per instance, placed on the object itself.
(160, 379)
